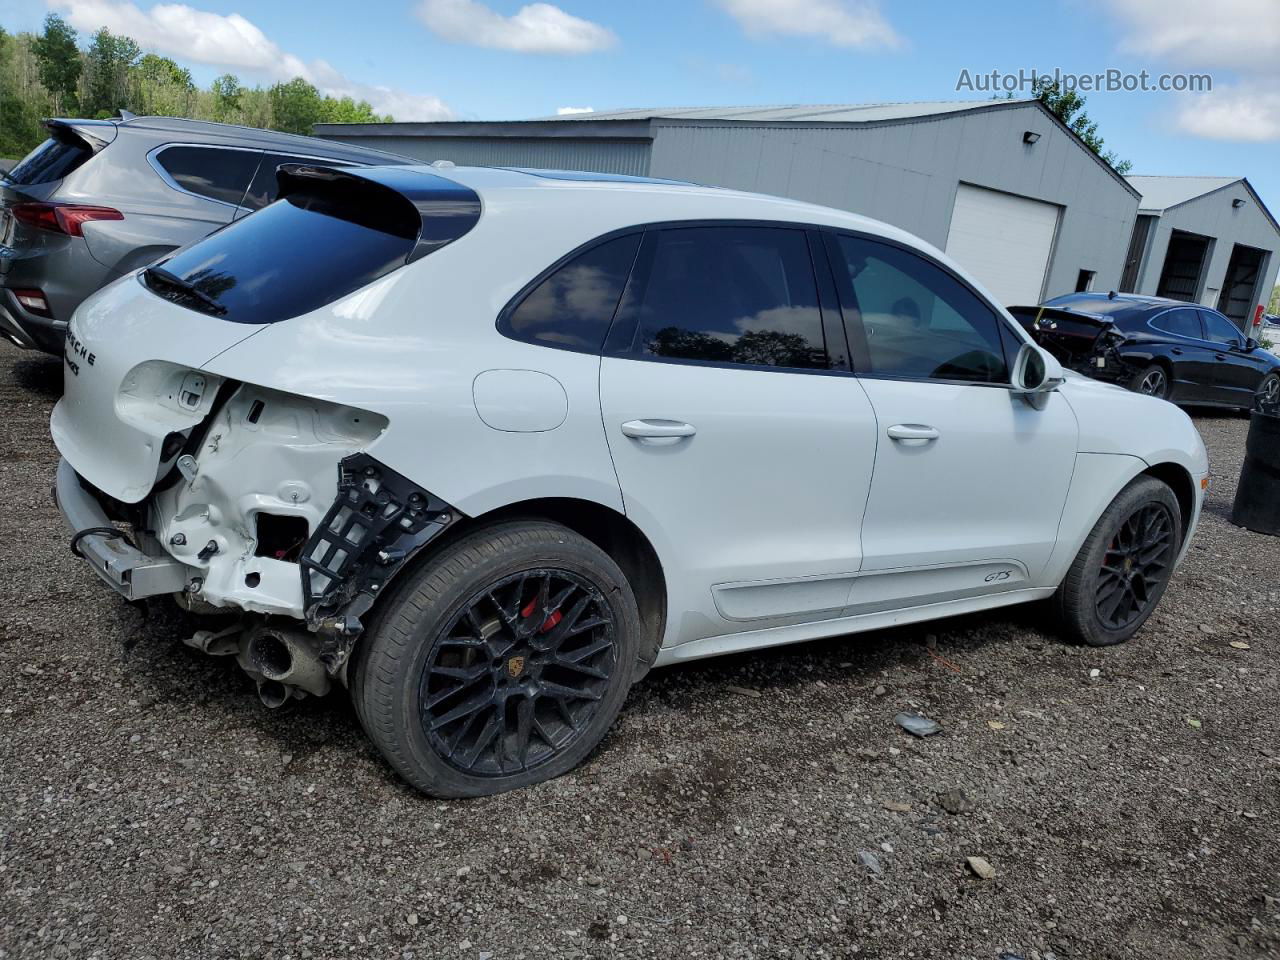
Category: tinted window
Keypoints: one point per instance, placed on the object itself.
(265, 188)
(214, 173)
(574, 306)
(1183, 323)
(1219, 329)
(920, 321)
(729, 295)
(293, 256)
(50, 161)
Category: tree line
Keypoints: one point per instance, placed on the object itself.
(52, 74)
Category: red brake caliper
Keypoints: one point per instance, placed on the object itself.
(549, 623)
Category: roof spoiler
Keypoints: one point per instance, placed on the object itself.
(93, 135)
(407, 201)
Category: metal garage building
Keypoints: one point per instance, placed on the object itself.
(1210, 240)
(1001, 185)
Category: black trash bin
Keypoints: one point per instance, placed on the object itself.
(1257, 505)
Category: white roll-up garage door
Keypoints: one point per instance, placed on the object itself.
(1004, 240)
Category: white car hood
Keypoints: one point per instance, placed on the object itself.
(129, 359)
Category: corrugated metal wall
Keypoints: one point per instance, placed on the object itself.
(907, 174)
(551, 153)
(1214, 216)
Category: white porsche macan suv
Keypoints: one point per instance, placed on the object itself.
(485, 445)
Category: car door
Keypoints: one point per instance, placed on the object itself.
(970, 480)
(1237, 372)
(1192, 356)
(742, 442)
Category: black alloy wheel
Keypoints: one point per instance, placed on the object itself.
(1123, 567)
(1135, 566)
(519, 673)
(498, 661)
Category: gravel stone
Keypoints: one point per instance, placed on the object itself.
(1119, 830)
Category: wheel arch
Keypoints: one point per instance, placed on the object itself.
(610, 530)
(1183, 485)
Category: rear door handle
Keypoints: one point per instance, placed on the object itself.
(657, 429)
(1176, 351)
(912, 431)
(1220, 356)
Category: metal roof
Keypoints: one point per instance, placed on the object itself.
(822, 113)
(1161, 193)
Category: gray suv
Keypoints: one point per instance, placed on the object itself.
(101, 198)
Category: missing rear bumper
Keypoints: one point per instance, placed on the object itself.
(129, 571)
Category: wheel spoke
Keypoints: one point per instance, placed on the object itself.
(497, 694)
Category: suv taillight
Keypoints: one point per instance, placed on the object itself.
(68, 218)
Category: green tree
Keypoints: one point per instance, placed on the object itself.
(347, 110)
(1274, 307)
(59, 61)
(108, 62)
(296, 106)
(227, 97)
(1069, 106)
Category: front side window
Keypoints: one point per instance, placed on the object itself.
(1181, 322)
(210, 172)
(574, 305)
(919, 321)
(738, 295)
(1219, 329)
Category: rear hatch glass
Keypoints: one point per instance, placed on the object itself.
(330, 235)
(65, 151)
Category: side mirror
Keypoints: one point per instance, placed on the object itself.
(1036, 374)
(1250, 345)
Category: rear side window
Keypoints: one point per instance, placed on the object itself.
(292, 257)
(919, 322)
(574, 305)
(52, 160)
(1181, 323)
(740, 295)
(264, 188)
(1220, 329)
(210, 172)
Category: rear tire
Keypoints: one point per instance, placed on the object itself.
(1122, 570)
(1153, 381)
(501, 663)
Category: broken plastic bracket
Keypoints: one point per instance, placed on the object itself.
(378, 520)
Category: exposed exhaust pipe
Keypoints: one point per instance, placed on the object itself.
(283, 662)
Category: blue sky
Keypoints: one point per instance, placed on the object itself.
(500, 60)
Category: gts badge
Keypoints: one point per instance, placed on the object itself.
(76, 353)
(998, 576)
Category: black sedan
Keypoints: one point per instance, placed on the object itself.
(1166, 348)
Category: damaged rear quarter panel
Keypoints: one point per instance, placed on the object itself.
(265, 452)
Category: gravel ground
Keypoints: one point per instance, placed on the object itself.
(755, 806)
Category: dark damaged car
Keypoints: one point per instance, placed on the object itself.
(1164, 348)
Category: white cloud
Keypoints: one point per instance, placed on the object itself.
(843, 23)
(1234, 34)
(1240, 37)
(570, 111)
(234, 43)
(534, 28)
(1246, 112)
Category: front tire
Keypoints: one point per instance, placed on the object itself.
(1153, 381)
(501, 664)
(1123, 568)
(1268, 396)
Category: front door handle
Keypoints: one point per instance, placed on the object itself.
(657, 429)
(912, 431)
(1176, 351)
(1220, 356)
